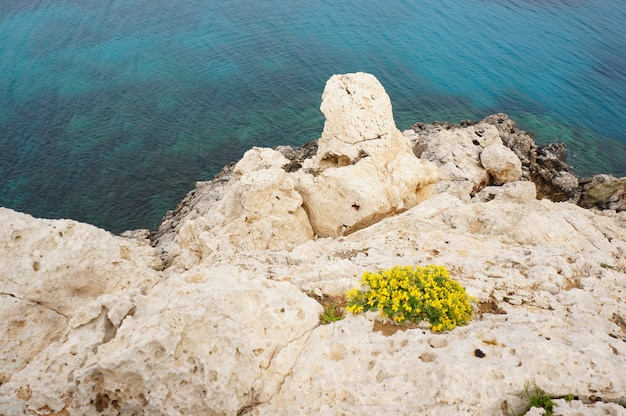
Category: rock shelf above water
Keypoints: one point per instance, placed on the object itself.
(215, 313)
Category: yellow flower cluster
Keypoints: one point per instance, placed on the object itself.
(414, 294)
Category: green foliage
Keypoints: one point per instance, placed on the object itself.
(332, 313)
(413, 294)
(538, 398)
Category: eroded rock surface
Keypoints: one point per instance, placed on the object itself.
(364, 169)
(501, 163)
(546, 165)
(604, 192)
(215, 316)
(360, 171)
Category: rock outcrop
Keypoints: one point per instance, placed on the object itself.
(364, 169)
(456, 151)
(459, 150)
(604, 192)
(546, 166)
(360, 171)
(501, 163)
(218, 315)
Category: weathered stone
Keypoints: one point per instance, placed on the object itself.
(503, 254)
(364, 169)
(259, 209)
(456, 151)
(28, 329)
(546, 165)
(262, 209)
(604, 192)
(359, 122)
(61, 264)
(519, 192)
(213, 341)
(501, 163)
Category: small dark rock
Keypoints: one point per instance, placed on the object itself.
(478, 353)
(298, 155)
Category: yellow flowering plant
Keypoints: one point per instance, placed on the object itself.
(405, 293)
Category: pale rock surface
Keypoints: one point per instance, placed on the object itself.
(364, 169)
(456, 151)
(226, 327)
(519, 191)
(359, 122)
(59, 264)
(28, 328)
(259, 209)
(563, 407)
(552, 312)
(211, 339)
(56, 278)
(576, 407)
(501, 163)
(262, 209)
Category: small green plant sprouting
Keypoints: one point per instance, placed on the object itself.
(414, 294)
(538, 398)
(332, 313)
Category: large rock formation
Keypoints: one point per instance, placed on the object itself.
(364, 169)
(218, 315)
(361, 170)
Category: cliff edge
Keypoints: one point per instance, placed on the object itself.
(217, 312)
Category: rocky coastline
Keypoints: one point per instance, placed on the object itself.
(546, 166)
(218, 311)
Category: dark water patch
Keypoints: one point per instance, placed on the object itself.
(612, 66)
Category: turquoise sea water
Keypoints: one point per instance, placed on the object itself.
(112, 109)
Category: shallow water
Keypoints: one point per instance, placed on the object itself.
(111, 110)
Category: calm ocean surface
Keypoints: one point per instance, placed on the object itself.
(112, 109)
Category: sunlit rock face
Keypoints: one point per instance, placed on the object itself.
(364, 169)
(216, 314)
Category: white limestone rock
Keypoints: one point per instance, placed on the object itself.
(501, 163)
(519, 192)
(456, 152)
(258, 209)
(550, 312)
(364, 169)
(359, 122)
(28, 328)
(55, 277)
(210, 341)
(61, 263)
(564, 407)
(47, 384)
(262, 208)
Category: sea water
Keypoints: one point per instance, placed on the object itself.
(112, 109)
